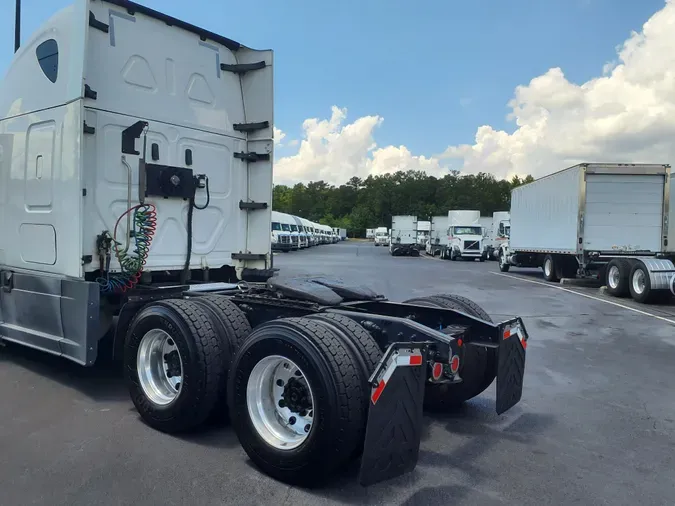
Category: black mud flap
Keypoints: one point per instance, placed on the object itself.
(395, 415)
(510, 364)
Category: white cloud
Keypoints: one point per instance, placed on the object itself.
(278, 136)
(334, 152)
(627, 114)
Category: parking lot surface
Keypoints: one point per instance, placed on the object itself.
(596, 424)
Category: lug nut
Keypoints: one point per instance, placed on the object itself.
(292, 420)
(307, 427)
(282, 403)
(280, 382)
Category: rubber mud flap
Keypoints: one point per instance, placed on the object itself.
(394, 426)
(510, 364)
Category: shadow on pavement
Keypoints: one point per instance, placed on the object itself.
(101, 382)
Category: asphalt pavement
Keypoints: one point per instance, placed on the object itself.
(596, 424)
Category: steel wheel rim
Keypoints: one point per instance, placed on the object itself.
(614, 277)
(281, 419)
(639, 281)
(547, 267)
(502, 258)
(160, 367)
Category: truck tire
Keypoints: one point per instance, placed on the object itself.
(443, 397)
(475, 310)
(504, 266)
(231, 327)
(640, 285)
(173, 365)
(616, 277)
(363, 347)
(550, 268)
(295, 396)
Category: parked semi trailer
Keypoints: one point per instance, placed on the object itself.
(423, 231)
(615, 222)
(403, 236)
(437, 245)
(160, 213)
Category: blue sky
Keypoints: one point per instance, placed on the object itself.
(434, 70)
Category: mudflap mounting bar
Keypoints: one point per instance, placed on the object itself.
(394, 428)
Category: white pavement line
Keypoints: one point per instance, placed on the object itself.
(672, 322)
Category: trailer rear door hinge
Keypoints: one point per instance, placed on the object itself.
(89, 93)
(242, 68)
(251, 127)
(248, 256)
(252, 206)
(88, 129)
(99, 25)
(252, 157)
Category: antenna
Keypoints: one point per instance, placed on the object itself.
(17, 26)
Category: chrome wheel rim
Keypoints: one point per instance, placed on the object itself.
(280, 402)
(160, 367)
(547, 267)
(639, 281)
(614, 277)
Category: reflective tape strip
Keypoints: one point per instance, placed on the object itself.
(396, 360)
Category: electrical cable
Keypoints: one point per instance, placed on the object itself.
(131, 263)
(185, 274)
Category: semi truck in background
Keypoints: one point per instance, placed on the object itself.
(423, 230)
(500, 228)
(437, 244)
(370, 233)
(614, 222)
(381, 236)
(303, 237)
(288, 225)
(281, 239)
(465, 235)
(341, 233)
(403, 236)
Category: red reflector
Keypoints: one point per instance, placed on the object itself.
(460, 342)
(415, 359)
(454, 364)
(437, 370)
(524, 343)
(507, 333)
(378, 391)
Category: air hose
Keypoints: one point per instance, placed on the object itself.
(131, 262)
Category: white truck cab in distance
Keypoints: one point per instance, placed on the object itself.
(381, 236)
(465, 235)
(281, 239)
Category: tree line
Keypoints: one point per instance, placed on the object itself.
(368, 203)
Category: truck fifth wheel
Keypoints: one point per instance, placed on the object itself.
(141, 217)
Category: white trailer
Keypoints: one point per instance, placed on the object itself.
(403, 236)
(465, 235)
(615, 222)
(341, 232)
(438, 236)
(423, 230)
(381, 236)
(370, 233)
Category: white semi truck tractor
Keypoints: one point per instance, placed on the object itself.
(613, 222)
(136, 155)
(500, 230)
(465, 236)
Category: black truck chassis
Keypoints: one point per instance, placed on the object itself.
(420, 345)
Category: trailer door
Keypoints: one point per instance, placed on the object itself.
(624, 212)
